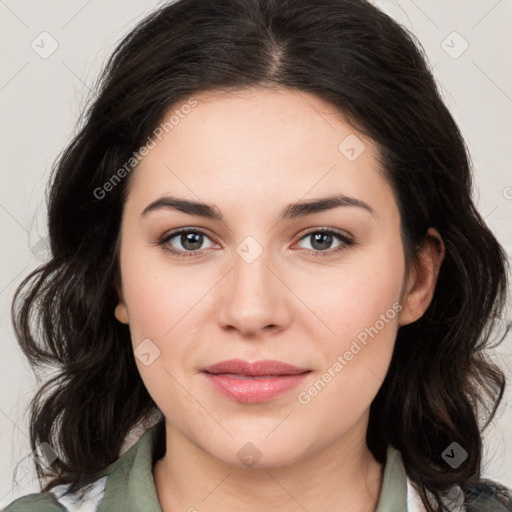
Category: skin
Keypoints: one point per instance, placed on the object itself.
(251, 153)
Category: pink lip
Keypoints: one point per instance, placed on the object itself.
(274, 378)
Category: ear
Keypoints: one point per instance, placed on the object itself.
(121, 312)
(422, 278)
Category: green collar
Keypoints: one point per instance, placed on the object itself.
(130, 484)
(393, 496)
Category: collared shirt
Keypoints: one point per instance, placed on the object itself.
(128, 485)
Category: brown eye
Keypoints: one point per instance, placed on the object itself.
(183, 241)
(321, 240)
(191, 241)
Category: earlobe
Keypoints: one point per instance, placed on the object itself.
(423, 278)
(121, 313)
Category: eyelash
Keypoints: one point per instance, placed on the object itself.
(346, 242)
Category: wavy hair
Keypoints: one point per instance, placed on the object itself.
(441, 386)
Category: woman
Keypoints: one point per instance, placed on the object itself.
(264, 235)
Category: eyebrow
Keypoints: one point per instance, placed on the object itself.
(293, 210)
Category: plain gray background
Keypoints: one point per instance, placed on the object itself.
(51, 53)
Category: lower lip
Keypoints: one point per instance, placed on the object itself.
(253, 391)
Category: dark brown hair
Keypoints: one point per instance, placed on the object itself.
(440, 388)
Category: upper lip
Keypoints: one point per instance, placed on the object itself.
(263, 367)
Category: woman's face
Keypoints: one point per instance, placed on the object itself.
(264, 281)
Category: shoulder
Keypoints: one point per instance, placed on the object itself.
(488, 496)
(131, 468)
(59, 499)
(481, 496)
(38, 502)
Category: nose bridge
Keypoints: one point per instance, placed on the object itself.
(255, 298)
(251, 270)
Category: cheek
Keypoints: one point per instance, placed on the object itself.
(359, 324)
(164, 307)
(355, 297)
(158, 296)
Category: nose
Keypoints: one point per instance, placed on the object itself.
(254, 297)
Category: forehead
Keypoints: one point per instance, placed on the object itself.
(259, 145)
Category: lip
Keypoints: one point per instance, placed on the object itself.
(255, 382)
(257, 368)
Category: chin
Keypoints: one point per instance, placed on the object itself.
(256, 454)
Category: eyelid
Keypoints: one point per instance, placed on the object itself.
(326, 229)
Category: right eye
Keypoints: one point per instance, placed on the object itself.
(189, 239)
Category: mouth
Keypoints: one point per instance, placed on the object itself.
(263, 368)
(257, 382)
(249, 377)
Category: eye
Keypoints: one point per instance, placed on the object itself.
(322, 240)
(184, 242)
(188, 242)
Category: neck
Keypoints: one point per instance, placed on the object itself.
(342, 477)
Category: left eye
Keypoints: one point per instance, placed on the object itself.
(321, 240)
